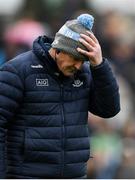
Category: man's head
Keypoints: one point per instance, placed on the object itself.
(67, 38)
(66, 41)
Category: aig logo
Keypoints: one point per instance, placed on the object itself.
(42, 82)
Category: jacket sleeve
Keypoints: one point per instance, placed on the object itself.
(10, 97)
(104, 96)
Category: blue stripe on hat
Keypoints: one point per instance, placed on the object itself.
(64, 30)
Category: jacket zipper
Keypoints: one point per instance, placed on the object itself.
(63, 129)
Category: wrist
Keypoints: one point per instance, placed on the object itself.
(96, 63)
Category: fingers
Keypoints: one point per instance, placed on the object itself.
(87, 39)
(92, 36)
(93, 52)
(86, 44)
(83, 51)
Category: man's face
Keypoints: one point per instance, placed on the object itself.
(67, 64)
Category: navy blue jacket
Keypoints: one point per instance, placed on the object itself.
(43, 115)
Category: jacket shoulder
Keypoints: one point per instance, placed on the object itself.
(22, 63)
(22, 60)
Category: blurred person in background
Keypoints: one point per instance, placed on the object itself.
(122, 58)
(107, 32)
(118, 43)
(45, 96)
(18, 37)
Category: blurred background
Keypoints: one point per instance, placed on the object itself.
(112, 140)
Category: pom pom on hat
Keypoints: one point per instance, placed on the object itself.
(86, 20)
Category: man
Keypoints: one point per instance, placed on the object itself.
(45, 96)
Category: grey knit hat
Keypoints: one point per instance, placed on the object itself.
(67, 38)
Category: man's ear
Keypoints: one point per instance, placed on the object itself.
(57, 51)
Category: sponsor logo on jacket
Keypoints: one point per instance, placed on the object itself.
(42, 82)
(37, 66)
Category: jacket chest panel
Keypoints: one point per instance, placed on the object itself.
(40, 82)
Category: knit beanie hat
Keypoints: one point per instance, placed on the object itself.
(67, 38)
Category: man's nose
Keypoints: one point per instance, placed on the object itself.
(78, 65)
